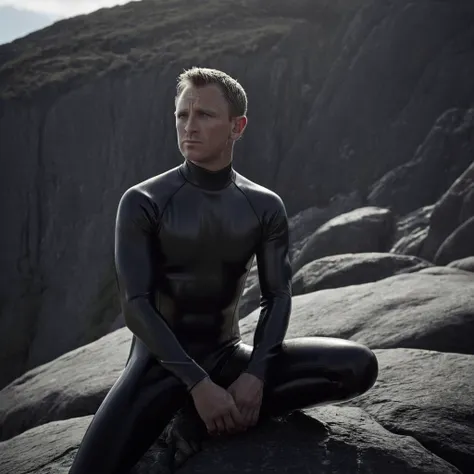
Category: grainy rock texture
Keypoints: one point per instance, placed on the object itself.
(339, 96)
(360, 116)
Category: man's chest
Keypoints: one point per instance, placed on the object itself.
(215, 226)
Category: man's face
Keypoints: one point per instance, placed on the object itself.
(202, 116)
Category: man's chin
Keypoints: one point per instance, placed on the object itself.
(196, 158)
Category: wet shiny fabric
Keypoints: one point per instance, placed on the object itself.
(185, 241)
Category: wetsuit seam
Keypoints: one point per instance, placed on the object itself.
(251, 206)
(170, 198)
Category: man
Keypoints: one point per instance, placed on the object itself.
(185, 241)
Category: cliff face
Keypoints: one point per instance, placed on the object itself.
(340, 93)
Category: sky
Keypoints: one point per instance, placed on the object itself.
(20, 17)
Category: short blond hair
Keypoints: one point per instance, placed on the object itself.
(233, 92)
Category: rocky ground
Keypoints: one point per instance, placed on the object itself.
(417, 316)
(375, 165)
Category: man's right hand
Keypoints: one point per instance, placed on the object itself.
(216, 407)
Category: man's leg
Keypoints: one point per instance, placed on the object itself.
(309, 371)
(131, 416)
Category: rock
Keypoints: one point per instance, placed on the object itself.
(301, 227)
(324, 121)
(352, 269)
(454, 208)
(323, 441)
(458, 245)
(73, 385)
(422, 180)
(427, 395)
(46, 412)
(367, 229)
(336, 271)
(250, 300)
(432, 309)
(466, 264)
(305, 223)
(412, 230)
(45, 449)
(440, 271)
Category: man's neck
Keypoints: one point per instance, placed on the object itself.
(213, 165)
(206, 178)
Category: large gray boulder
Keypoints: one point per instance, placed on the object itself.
(367, 229)
(303, 224)
(412, 230)
(459, 245)
(322, 441)
(72, 385)
(463, 264)
(423, 391)
(426, 395)
(337, 271)
(431, 309)
(417, 183)
(454, 208)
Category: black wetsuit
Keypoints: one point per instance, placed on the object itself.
(185, 241)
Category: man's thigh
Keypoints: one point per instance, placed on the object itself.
(131, 417)
(309, 371)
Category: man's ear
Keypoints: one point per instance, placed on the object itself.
(239, 126)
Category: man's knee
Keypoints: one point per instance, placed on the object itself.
(364, 368)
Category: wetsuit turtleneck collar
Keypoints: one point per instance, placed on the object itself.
(206, 179)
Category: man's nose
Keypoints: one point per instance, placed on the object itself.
(191, 125)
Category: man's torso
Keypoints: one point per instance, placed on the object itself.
(206, 231)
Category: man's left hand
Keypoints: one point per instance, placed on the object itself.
(247, 392)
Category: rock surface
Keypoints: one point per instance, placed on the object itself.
(368, 229)
(417, 183)
(412, 230)
(352, 269)
(405, 426)
(338, 98)
(336, 271)
(417, 418)
(459, 245)
(426, 395)
(73, 385)
(347, 118)
(463, 264)
(454, 208)
(432, 309)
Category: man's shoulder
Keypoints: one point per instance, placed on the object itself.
(157, 188)
(262, 198)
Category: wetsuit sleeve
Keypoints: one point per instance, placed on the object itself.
(135, 264)
(274, 271)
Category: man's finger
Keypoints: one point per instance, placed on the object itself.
(229, 423)
(211, 427)
(246, 415)
(220, 425)
(236, 415)
(255, 415)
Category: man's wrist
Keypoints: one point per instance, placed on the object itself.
(205, 379)
(255, 375)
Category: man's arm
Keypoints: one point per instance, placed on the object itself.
(274, 272)
(135, 261)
